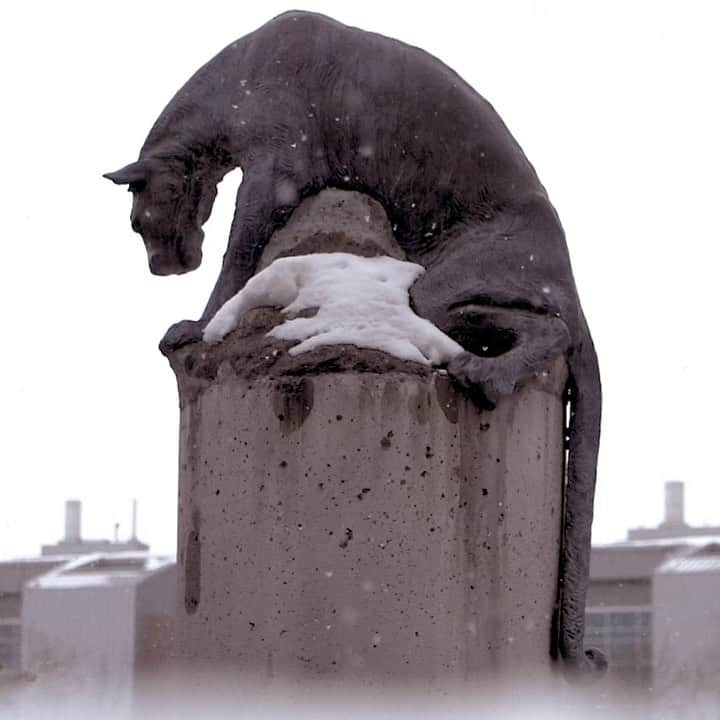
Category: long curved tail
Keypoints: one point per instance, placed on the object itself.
(584, 394)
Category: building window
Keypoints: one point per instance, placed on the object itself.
(624, 634)
(10, 644)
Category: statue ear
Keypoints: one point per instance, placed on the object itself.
(132, 173)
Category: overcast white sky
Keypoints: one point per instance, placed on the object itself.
(616, 104)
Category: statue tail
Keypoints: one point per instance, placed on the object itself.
(584, 396)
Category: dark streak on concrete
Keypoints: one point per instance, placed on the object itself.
(418, 405)
(446, 398)
(293, 400)
(391, 398)
(192, 565)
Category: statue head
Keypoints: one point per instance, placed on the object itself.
(170, 205)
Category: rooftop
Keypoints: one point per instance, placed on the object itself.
(102, 570)
(702, 560)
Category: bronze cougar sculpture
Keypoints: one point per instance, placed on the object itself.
(304, 103)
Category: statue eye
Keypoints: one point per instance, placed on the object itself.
(137, 186)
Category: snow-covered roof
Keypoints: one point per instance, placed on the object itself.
(703, 560)
(36, 559)
(640, 559)
(102, 570)
(689, 540)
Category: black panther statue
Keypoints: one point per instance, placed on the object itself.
(304, 103)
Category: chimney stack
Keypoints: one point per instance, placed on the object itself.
(73, 510)
(133, 536)
(674, 503)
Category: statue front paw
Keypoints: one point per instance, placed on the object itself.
(181, 333)
(482, 379)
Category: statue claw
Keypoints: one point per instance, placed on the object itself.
(182, 333)
(480, 378)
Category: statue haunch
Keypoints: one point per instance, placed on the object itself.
(304, 103)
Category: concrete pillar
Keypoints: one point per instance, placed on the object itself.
(348, 515)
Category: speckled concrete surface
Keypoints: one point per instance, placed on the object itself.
(368, 525)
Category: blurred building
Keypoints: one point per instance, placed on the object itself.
(686, 620)
(13, 576)
(98, 609)
(98, 618)
(638, 598)
(106, 610)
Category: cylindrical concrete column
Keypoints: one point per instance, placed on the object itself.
(347, 515)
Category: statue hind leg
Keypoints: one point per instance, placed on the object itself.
(538, 340)
(517, 342)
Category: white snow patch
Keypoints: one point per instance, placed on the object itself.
(361, 301)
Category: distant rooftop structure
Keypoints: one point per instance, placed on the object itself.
(639, 597)
(100, 608)
(97, 618)
(705, 559)
(686, 620)
(100, 570)
(74, 544)
(674, 525)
